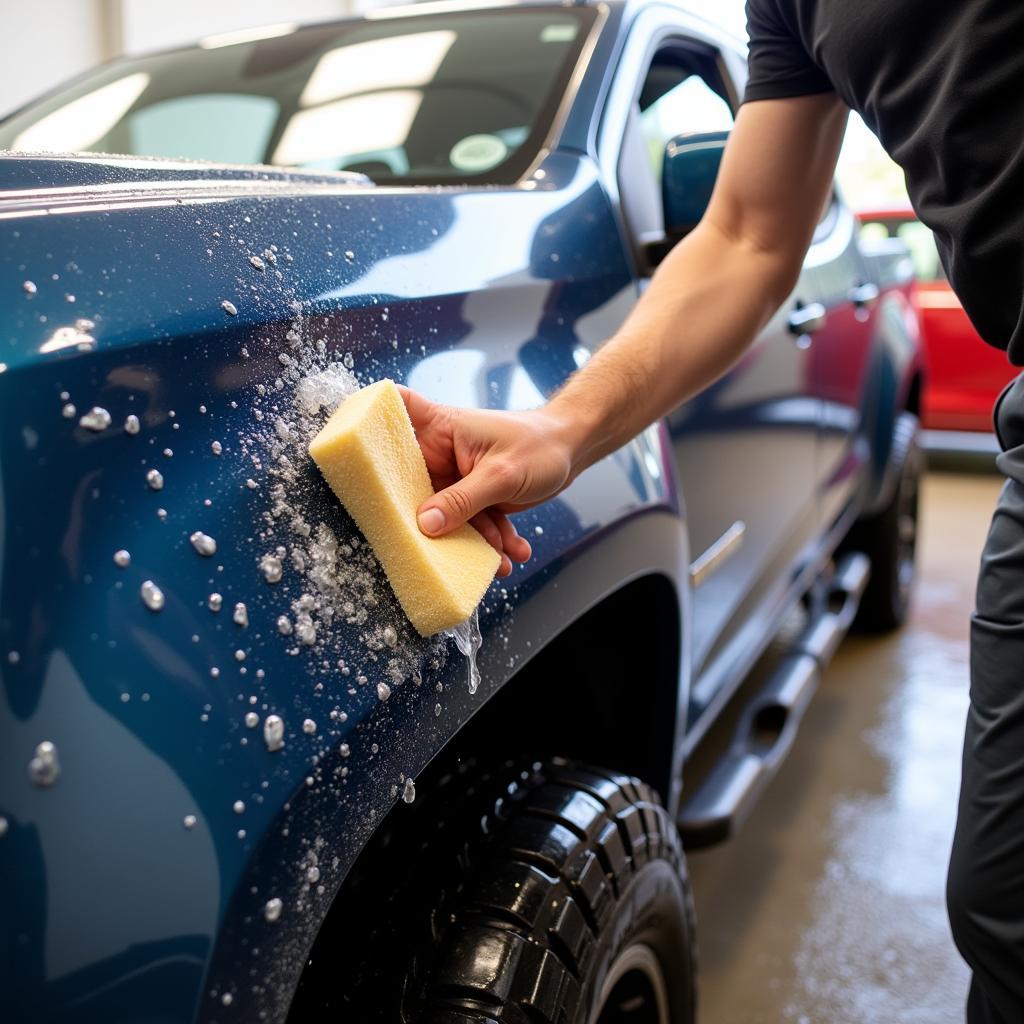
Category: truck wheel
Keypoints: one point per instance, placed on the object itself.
(889, 539)
(567, 902)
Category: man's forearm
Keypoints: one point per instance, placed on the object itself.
(703, 308)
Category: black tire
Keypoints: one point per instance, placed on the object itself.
(542, 894)
(889, 539)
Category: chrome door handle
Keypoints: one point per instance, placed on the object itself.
(805, 320)
(864, 296)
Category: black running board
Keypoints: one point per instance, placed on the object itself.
(769, 722)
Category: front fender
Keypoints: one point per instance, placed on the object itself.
(617, 523)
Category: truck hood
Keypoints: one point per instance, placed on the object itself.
(36, 182)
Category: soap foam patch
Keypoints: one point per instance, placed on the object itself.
(333, 601)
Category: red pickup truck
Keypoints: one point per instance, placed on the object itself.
(964, 374)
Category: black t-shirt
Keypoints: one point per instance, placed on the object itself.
(941, 83)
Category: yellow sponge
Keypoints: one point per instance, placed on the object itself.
(368, 453)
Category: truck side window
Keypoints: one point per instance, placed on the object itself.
(676, 98)
(683, 89)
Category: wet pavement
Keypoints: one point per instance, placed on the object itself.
(828, 908)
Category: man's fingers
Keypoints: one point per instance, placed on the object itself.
(501, 535)
(458, 503)
(517, 548)
(488, 529)
(416, 405)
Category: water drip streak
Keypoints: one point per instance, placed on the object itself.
(469, 640)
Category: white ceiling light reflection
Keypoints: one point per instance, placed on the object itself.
(442, 7)
(377, 120)
(377, 64)
(248, 35)
(84, 121)
(68, 337)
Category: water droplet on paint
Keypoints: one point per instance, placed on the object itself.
(257, 263)
(409, 792)
(216, 447)
(227, 999)
(240, 615)
(131, 424)
(284, 625)
(215, 602)
(383, 691)
(229, 308)
(13, 657)
(203, 543)
(538, 531)
(238, 807)
(44, 768)
(152, 596)
(313, 874)
(122, 559)
(309, 727)
(155, 479)
(3, 826)
(68, 412)
(189, 821)
(344, 750)
(272, 909)
(29, 287)
(273, 732)
(97, 418)
(252, 719)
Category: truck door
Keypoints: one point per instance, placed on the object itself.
(744, 449)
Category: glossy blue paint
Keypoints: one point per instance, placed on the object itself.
(486, 297)
(473, 323)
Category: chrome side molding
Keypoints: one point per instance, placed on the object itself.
(717, 554)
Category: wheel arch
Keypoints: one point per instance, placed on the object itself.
(600, 692)
(578, 698)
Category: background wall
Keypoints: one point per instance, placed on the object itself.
(44, 42)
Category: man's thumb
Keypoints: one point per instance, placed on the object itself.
(455, 505)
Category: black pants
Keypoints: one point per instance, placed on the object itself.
(985, 889)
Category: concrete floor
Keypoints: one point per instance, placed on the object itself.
(828, 908)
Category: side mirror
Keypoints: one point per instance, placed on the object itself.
(688, 172)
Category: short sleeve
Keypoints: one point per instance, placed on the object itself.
(778, 63)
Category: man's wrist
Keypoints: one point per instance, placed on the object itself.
(573, 424)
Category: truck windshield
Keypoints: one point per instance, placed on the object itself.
(429, 98)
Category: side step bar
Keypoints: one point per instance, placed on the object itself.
(770, 721)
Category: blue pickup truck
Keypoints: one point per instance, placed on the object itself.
(236, 785)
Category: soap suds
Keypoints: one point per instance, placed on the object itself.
(331, 597)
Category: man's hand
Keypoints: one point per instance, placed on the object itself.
(485, 465)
